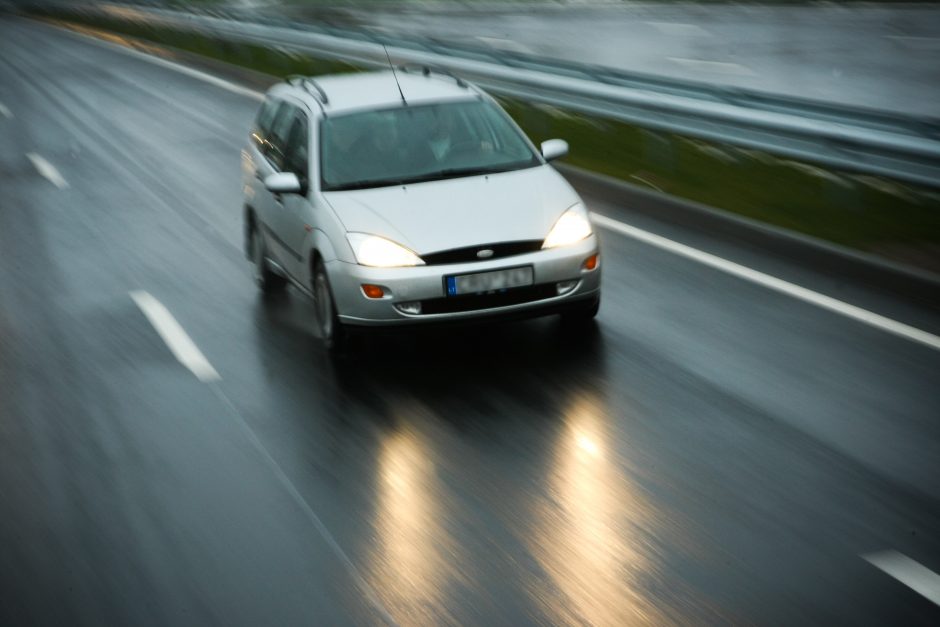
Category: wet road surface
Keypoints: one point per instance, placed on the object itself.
(713, 452)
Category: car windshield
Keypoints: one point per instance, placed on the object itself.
(420, 143)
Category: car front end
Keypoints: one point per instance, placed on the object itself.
(487, 281)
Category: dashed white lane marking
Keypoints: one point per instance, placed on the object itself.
(715, 67)
(918, 578)
(5, 112)
(47, 170)
(779, 285)
(678, 29)
(180, 344)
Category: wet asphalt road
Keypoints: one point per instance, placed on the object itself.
(714, 452)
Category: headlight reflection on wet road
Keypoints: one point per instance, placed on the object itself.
(413, 558)
(588, 537)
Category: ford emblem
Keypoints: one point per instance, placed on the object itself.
(486, 253)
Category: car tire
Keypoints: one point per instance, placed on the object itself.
(266, 279)
(583, 315)
(333, 333)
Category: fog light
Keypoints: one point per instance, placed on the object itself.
(590, 263)
(565, 286)
(410, 308)
(372, 291)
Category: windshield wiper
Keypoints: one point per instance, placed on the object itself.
(449, 173)
(366, 184)
(437, 175)
(471, 171)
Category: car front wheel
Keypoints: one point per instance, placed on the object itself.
(265, 278)
(332, 331)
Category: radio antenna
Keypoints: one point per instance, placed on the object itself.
(397, 84)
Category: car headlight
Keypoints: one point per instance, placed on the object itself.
(372, 250)
(573, 226)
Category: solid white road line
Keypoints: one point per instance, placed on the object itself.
(5, 112)
(918, 578)
(779, 285)
(47, 170)
(182, 347)
(771, 282)
(176, 67)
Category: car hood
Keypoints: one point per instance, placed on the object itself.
(453, 213)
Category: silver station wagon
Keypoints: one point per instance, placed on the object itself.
(411, 197)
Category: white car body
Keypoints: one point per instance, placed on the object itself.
(454, 226)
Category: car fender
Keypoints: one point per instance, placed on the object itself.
(316, 242)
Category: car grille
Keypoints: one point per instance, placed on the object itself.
(469, 253)
(474, 302)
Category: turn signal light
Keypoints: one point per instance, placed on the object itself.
(372, 291)
(591, 262)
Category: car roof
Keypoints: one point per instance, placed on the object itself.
(377, 90)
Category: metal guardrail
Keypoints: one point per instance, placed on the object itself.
(853, 139)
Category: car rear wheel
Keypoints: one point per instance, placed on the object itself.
(333, 333)
(265, 278)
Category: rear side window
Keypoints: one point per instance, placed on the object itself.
(263, 123)
(266, 116)
(277, 137)
(297, 158)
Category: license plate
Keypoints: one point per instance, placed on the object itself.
(489, 281)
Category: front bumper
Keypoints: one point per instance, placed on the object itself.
(425, 284)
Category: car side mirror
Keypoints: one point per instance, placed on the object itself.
(554, 149)
(283, 183)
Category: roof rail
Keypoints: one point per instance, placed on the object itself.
(322, 94)
(427, 70)
(313, 88)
